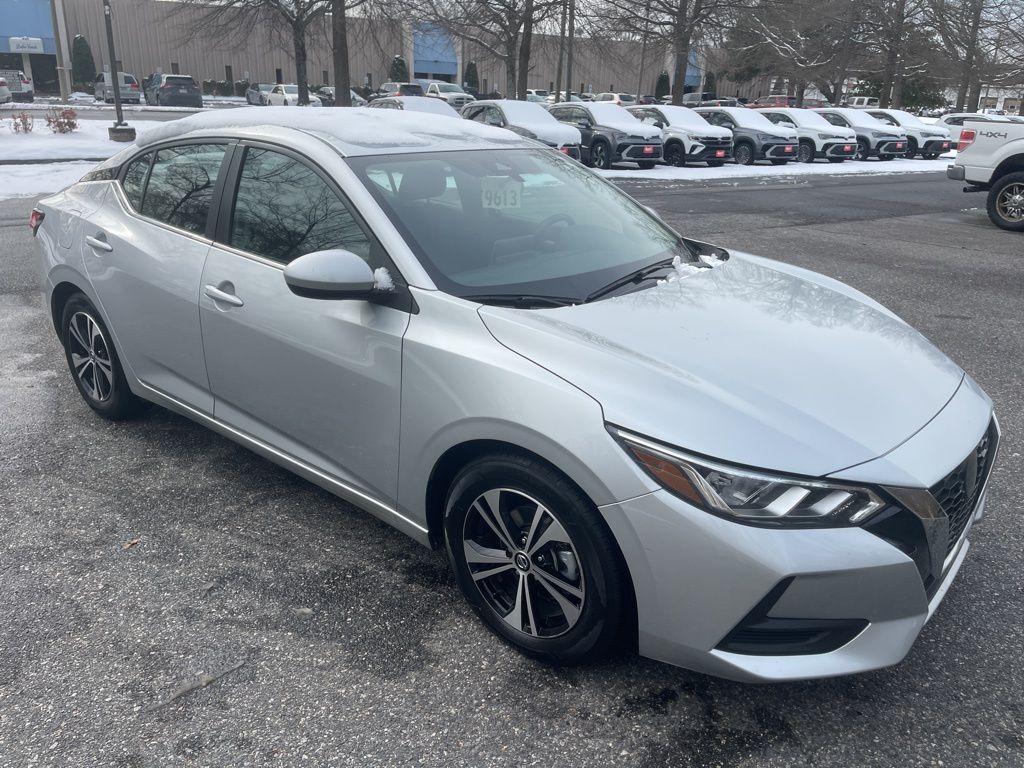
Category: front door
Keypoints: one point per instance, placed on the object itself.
(317, 379)
(144, 252)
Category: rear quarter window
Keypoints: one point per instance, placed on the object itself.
(181, 183)
(134, 183)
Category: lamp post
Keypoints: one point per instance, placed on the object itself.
(120, 131)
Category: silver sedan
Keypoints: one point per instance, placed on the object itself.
(620, 435)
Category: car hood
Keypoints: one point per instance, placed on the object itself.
(636, 128)
(551, 131)
(778, 130)
(705, 131)
(752, 362)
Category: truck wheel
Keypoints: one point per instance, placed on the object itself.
(1006, 202)
(806, 152)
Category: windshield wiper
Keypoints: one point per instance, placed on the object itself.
(521, 300)
(635, 276)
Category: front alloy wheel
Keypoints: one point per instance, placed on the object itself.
(524, 563)
(806, 152)
(743, 154)
(601, 155)
(863, 150)
(674, 154)
(536, 560)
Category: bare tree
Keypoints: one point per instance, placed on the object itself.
(239, 20)
(676, 23)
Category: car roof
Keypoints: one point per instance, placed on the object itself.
(352, 131)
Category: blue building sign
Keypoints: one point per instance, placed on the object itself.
(26, 18)
(433, 53)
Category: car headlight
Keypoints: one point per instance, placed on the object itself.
(748, 495)
(763, 137)
(617, 136)
(693, 137)
(832, 136)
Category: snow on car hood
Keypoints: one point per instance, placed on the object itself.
(617, 118)
(752, 362)
(553, 132)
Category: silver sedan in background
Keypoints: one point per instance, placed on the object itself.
(620, 435)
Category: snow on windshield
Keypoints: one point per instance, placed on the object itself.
(749, 118)
(807, 119)
(684, 117)
(607, 112)
(526, 112)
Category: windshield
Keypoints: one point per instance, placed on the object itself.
(749, 118)
(291, 89)
(514, 222)
(684, 117)
(808, 119)
(179, 80)
(449, 88)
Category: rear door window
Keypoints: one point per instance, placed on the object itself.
(181, 184)
(134, 183)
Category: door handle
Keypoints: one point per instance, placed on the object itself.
(223, 296)
(99, 242)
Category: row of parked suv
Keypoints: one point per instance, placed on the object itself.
(603, 133)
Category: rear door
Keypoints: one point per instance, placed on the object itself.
(144, 252)
(317, 379)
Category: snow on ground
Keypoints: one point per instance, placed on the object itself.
(88, 141)
(84, 101)
(762, 171)
(30, 180)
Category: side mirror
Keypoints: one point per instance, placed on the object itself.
(331, 274)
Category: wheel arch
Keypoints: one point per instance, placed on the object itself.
(1012, 164)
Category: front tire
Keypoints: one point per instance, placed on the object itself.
(743, 154)
(1006, 202)
(912, 149)
(675, 154)
(93, 361)
(645, 165)
(805, 154)
(535, 559)
(863, 150)
(601, 155)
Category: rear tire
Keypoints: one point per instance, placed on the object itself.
(561, 592)
(93, 361)
(1006, 202)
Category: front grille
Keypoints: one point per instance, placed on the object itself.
(959, 491)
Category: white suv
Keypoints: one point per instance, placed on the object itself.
(688, 137)
(874, 138)
(818, 137)
(928, 141)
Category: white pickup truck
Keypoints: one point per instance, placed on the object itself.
(990, 157)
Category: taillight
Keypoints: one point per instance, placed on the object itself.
(564, 150)
(966, 139)
(25, 80)
(34, 220)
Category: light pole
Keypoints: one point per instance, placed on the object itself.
(568, 50)
(120, 131)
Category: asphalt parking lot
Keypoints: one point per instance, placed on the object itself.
(139, 561)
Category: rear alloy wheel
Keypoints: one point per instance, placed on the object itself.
(1006, 202)
(674, 154)
(535, 559)
(863, 150)
(600, 155)
(805, 154)
(93, 362)
(743, 154)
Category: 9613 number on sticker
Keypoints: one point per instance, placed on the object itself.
(501, 193)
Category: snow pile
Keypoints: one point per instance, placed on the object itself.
(32, 180)
(683, 269)
(88, 141)
(382, 280)
(768, 173)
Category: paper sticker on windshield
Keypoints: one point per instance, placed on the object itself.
(501, 192)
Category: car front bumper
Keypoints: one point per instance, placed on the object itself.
(937, 145)
(710, 149)
(638, 151)
(840, 149)
(781, 150)
(699, 578)
(891, 147)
